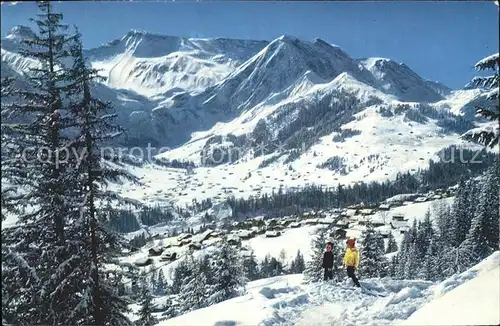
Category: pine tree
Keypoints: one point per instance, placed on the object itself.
(181, 272)
(401, 257)
(426, 270)
(393, 267)
(432, 262)
(171, 309)
(250, 267)
(264, 269)
(146, 317)
(34, 159)
(313, 271)
(338, 250)
(488, 204)
(121, 286)
(462, 207)
(298, 264)
(96, 126)
(152, 281)
(444, 222)
(228, 275)
(425, 235)
(488, 136)
(135, 286)
(161, 285)
(291, 268)
(374, 263)
(63, 187)
(411, 263)
(7, 192)
(207, 265)
(45, 102)
(482, 238)
(195, 289)
(282, 257)
(275, 267)
(392, 245)
(457, 259)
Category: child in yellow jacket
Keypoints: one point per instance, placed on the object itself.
(351, 260)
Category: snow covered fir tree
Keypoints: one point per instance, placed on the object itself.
(313, 271)
(58, 250)
(145, 313)
(199, 181)
(372, 247)
(489, 134)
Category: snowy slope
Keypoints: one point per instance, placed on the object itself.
(143, 68)
(250, 309)
(398, 79)
(291, 241)
(463, 102)
(153, 65)
(279, 85)
(384, 147)
(16, 63)
(470, 298)
(475, 302)
(280, 64)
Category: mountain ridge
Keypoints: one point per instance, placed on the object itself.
(188, 85)
(315, 108)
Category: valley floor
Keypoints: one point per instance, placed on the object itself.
(469, 298)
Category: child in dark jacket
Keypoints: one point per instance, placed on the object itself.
(328, 262)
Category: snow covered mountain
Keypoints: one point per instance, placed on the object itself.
(398, 79)
(287, 73)
(152, 65)
(283, 69)
(15, 36)
(278, 105)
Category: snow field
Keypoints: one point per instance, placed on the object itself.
(469, 298)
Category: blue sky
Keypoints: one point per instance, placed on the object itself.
(441, 41)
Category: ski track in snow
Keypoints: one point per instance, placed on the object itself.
(331, 304)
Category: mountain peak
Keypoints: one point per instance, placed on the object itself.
(399, 80)
(370, 63)
(287, 38)
(133, 33)
(20, 32)
(141, 33)
(137, 32)
(319, 41)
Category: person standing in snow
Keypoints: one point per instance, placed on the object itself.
(328, 262)
(351, 260)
